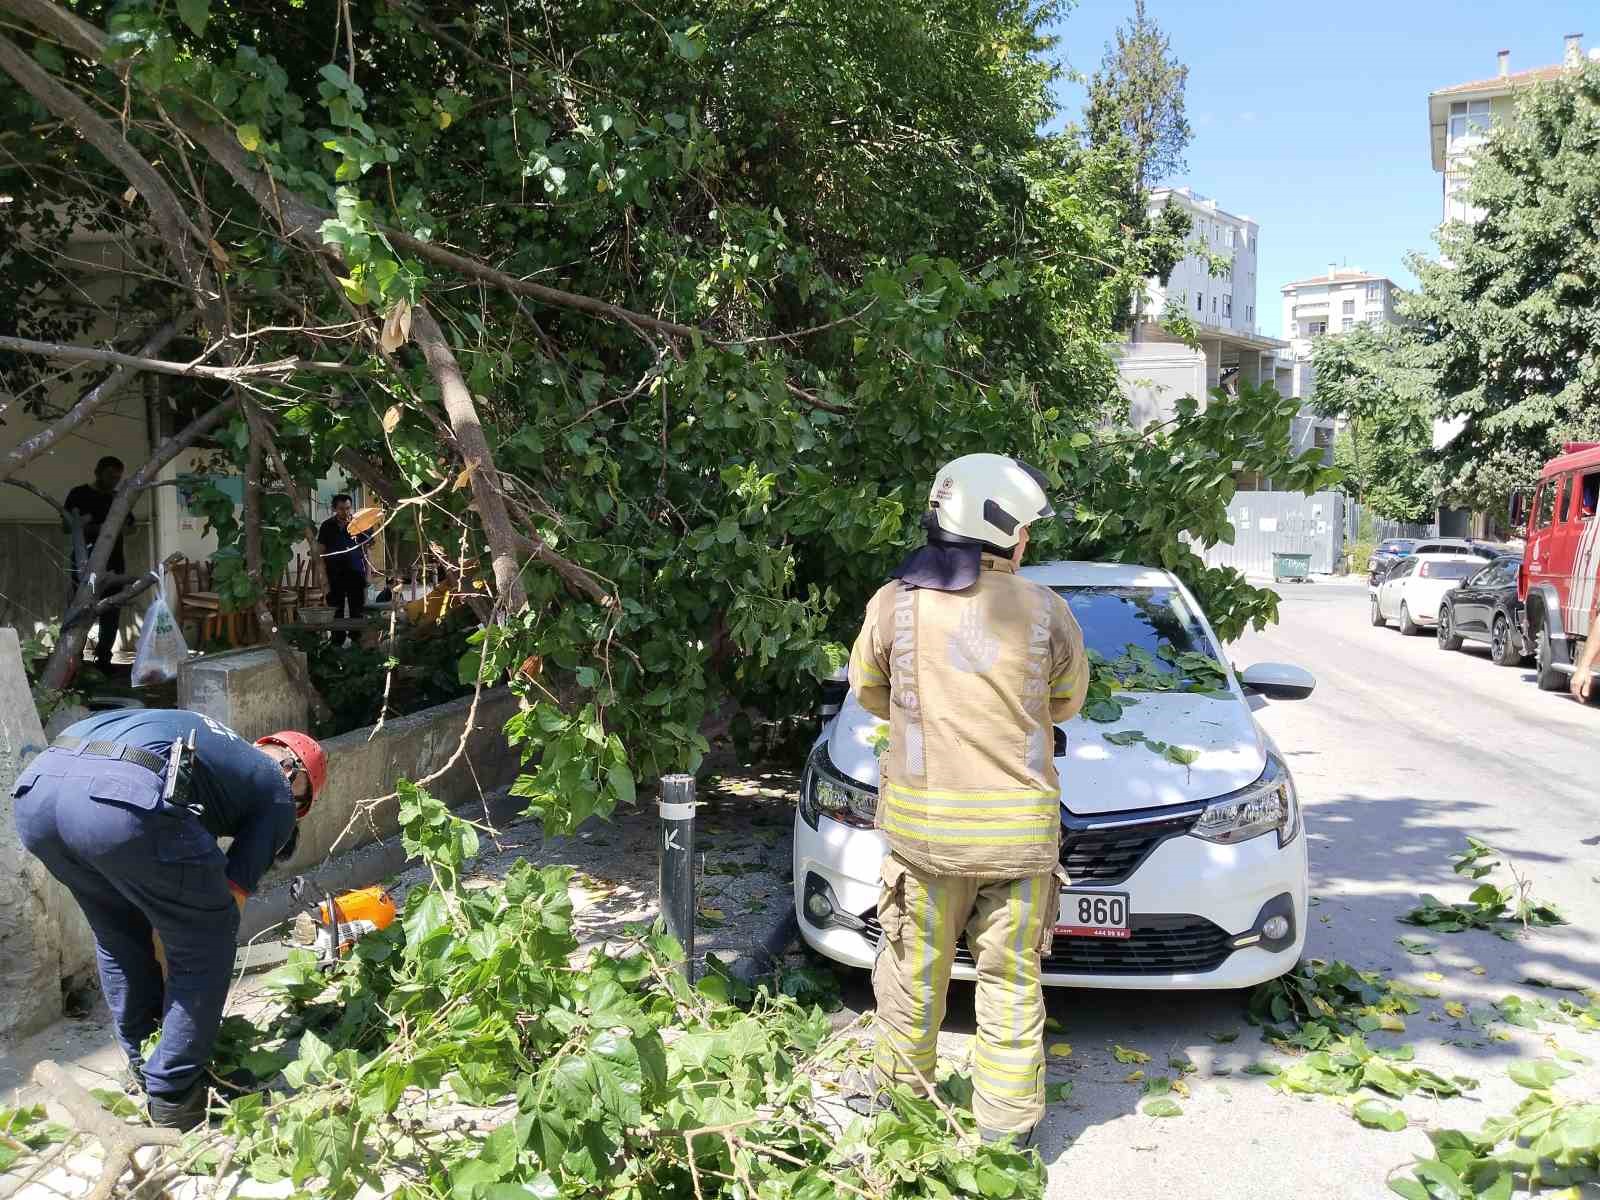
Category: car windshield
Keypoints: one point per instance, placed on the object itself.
(1397, 547)
(1148, 637)
(1448, 570)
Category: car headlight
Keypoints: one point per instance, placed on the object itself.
(1267, 805)
(825, 792)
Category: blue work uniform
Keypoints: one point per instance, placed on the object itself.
(136, 863)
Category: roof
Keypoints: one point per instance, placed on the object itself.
(1354, 277)
(1078, 573)
(1497, 82)
(1587, 456)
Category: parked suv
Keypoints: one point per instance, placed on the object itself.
(1561, 566)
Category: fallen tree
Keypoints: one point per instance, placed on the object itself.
(672, 314)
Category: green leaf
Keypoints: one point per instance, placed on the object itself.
(1537, 1075)
(1181, 755)
(1375, 1114)
(1163, 1107)
(1124, 737)
(249, 137)
(196, 14)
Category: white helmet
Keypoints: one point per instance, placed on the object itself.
(987, 498)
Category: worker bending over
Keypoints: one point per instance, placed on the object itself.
(125, 809)
(971, 665)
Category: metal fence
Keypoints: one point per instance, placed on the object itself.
(1268, 523)
(1382, 528)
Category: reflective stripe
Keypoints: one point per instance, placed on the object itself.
(1014, 814)
(959, 803)
(1010, 795)
(1009, 836)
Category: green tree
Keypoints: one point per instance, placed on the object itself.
(1374, 377)
(1511, 312)
(1137, 95)
(664, 318)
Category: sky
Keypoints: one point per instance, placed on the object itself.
(1313, 120)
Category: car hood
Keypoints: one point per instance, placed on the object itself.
(1098, 776)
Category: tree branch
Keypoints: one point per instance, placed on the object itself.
(282, 366)
(475, 454)
(91, 400)
(74, 629)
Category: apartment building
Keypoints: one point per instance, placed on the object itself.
(1156, 368)
(1335, 303)
(1460, 117)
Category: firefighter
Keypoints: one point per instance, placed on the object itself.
(125, 809)
(972, 666)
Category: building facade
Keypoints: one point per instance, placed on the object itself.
(1157, 369)
(1460, 117)
(1335, 303)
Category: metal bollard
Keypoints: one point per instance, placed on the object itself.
(676, 879)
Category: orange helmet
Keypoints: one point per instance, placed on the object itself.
(311, 755)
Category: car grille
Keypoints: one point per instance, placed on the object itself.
(1095, 857)
(1162, 944)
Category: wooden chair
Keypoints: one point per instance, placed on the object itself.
(196, 602)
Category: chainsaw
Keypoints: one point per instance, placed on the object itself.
(329, 928)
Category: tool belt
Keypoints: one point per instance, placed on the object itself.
(175, 769)
(133, 754)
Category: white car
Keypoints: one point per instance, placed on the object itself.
(1410, 593)
(1187, 870)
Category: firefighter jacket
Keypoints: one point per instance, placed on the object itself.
(971, 683)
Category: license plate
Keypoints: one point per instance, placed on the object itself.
(1093, 914)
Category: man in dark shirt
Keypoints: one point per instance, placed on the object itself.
(90, 503)
(93, 808)
(345, 558)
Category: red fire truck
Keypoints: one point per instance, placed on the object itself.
(1560, 578)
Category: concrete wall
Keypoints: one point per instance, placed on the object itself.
(246, 690)
(1156, 375)
(365, 763)
(44, 939)
(1265, 523)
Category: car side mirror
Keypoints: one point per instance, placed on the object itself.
(1281, 680)
(1059, 747)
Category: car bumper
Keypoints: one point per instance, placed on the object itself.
(1190, 903)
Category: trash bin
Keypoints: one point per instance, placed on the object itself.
(1291, 566)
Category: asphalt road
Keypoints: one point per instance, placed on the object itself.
(1402, 752)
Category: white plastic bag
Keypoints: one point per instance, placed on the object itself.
(161, 644)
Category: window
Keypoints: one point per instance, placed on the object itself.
(1566, 500)
(1249, 312)
(1591, 496)
(1456, 205)
(1200, 303)
(1544, 504)
(1347, 323)
(1315, 327)
(1116, 620)
(1349, 308)
(1213, 306)
(1227, 306)
(1446, 570)
(1252, 243)
(1469, 118)
(1228, 240)
(1374, 293)
(1322, 436)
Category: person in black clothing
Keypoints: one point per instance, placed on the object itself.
(345, 558)
(90, 503)
(136, 845)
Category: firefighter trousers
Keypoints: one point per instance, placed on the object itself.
(1006, 922)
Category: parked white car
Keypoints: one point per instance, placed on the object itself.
(1410, 593)
(1188, 869)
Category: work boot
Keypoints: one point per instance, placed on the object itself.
(131, 1080)
(862, 1093)
(1019, 1139)
(183, 1113)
